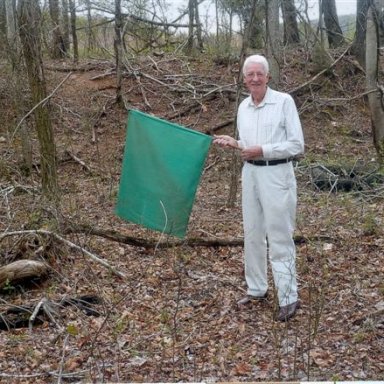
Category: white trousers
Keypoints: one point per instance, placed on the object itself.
(269, 213)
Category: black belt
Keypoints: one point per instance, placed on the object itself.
(269, 162)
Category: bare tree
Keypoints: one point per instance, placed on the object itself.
(255, 24)
(58, 47)
(65, 18)
(291, 29)
(372, 77)
(273, 46)
(16, 88)
(72, 10)
(199, 33)
(3, 26)
(90, 37)
(118, 50)
(29, 28)
(331, 21)
(358, 46)
(191, 13)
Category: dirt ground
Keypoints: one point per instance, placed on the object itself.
(173, 316)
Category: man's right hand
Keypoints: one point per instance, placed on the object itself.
(225, 141)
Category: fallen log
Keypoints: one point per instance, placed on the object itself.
(171, 242)
(66, 242)
(22, 270)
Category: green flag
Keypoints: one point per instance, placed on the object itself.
(161, 170)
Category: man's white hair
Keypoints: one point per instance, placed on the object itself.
(256, 59)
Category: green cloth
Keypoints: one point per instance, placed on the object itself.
(161, 170)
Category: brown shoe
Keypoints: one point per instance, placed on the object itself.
(249, 299)
(288, 311)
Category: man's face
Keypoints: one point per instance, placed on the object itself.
(255, 78)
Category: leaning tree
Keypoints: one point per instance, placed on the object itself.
(372, 63)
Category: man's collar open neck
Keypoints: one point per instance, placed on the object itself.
(259, 97)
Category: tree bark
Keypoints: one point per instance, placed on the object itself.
(29, 21)
(58, 48)
(18, 76)
(72, 10)
(90, 38)
(291, 29)
(236, 161)
(118, 51)
(191, 11)
(199, 32)
(331, 21)
(255, 25)
(66, 24)
(372, 73)
(273, 40)
(358, 46)
(3, 26)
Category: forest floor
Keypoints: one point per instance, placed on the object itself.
(173, 316)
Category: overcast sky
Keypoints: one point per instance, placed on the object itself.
(344, 7)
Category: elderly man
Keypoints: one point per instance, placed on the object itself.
(270, 135)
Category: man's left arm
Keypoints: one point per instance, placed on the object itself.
(294, 143)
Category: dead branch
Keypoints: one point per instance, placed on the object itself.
(42, 306)
(146, 102)
(376, 316)
(158, 23)
(344, 100)
(295, 90)
(41, 102)
(23, 316)
(192, 242)
(219, 126)
(66, 242)
(110, 72)
(77, 160)
(70, 375)
(190, 108)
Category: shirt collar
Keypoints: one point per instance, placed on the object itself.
(268, 99)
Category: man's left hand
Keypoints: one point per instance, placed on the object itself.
(252, 153)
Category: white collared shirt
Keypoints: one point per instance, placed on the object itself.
(274, 124)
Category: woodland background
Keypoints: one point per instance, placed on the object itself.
(86, 297)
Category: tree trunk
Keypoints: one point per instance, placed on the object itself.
(11, 29)
(191, 12)
(230, 34)
(236, 160)
(21, 270)
(3, 26)
(90, 39)
(291, 29)
(57, 49)
(72, 10)
(65, 19)
(18, 77)
(372, 71)
(217, 22)
(358, 46)
(273, 40)
(331, 21)
(254, 24)
(29, 22)
(199, 32)
(118, 50)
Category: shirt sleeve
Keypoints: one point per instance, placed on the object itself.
(294, 143)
